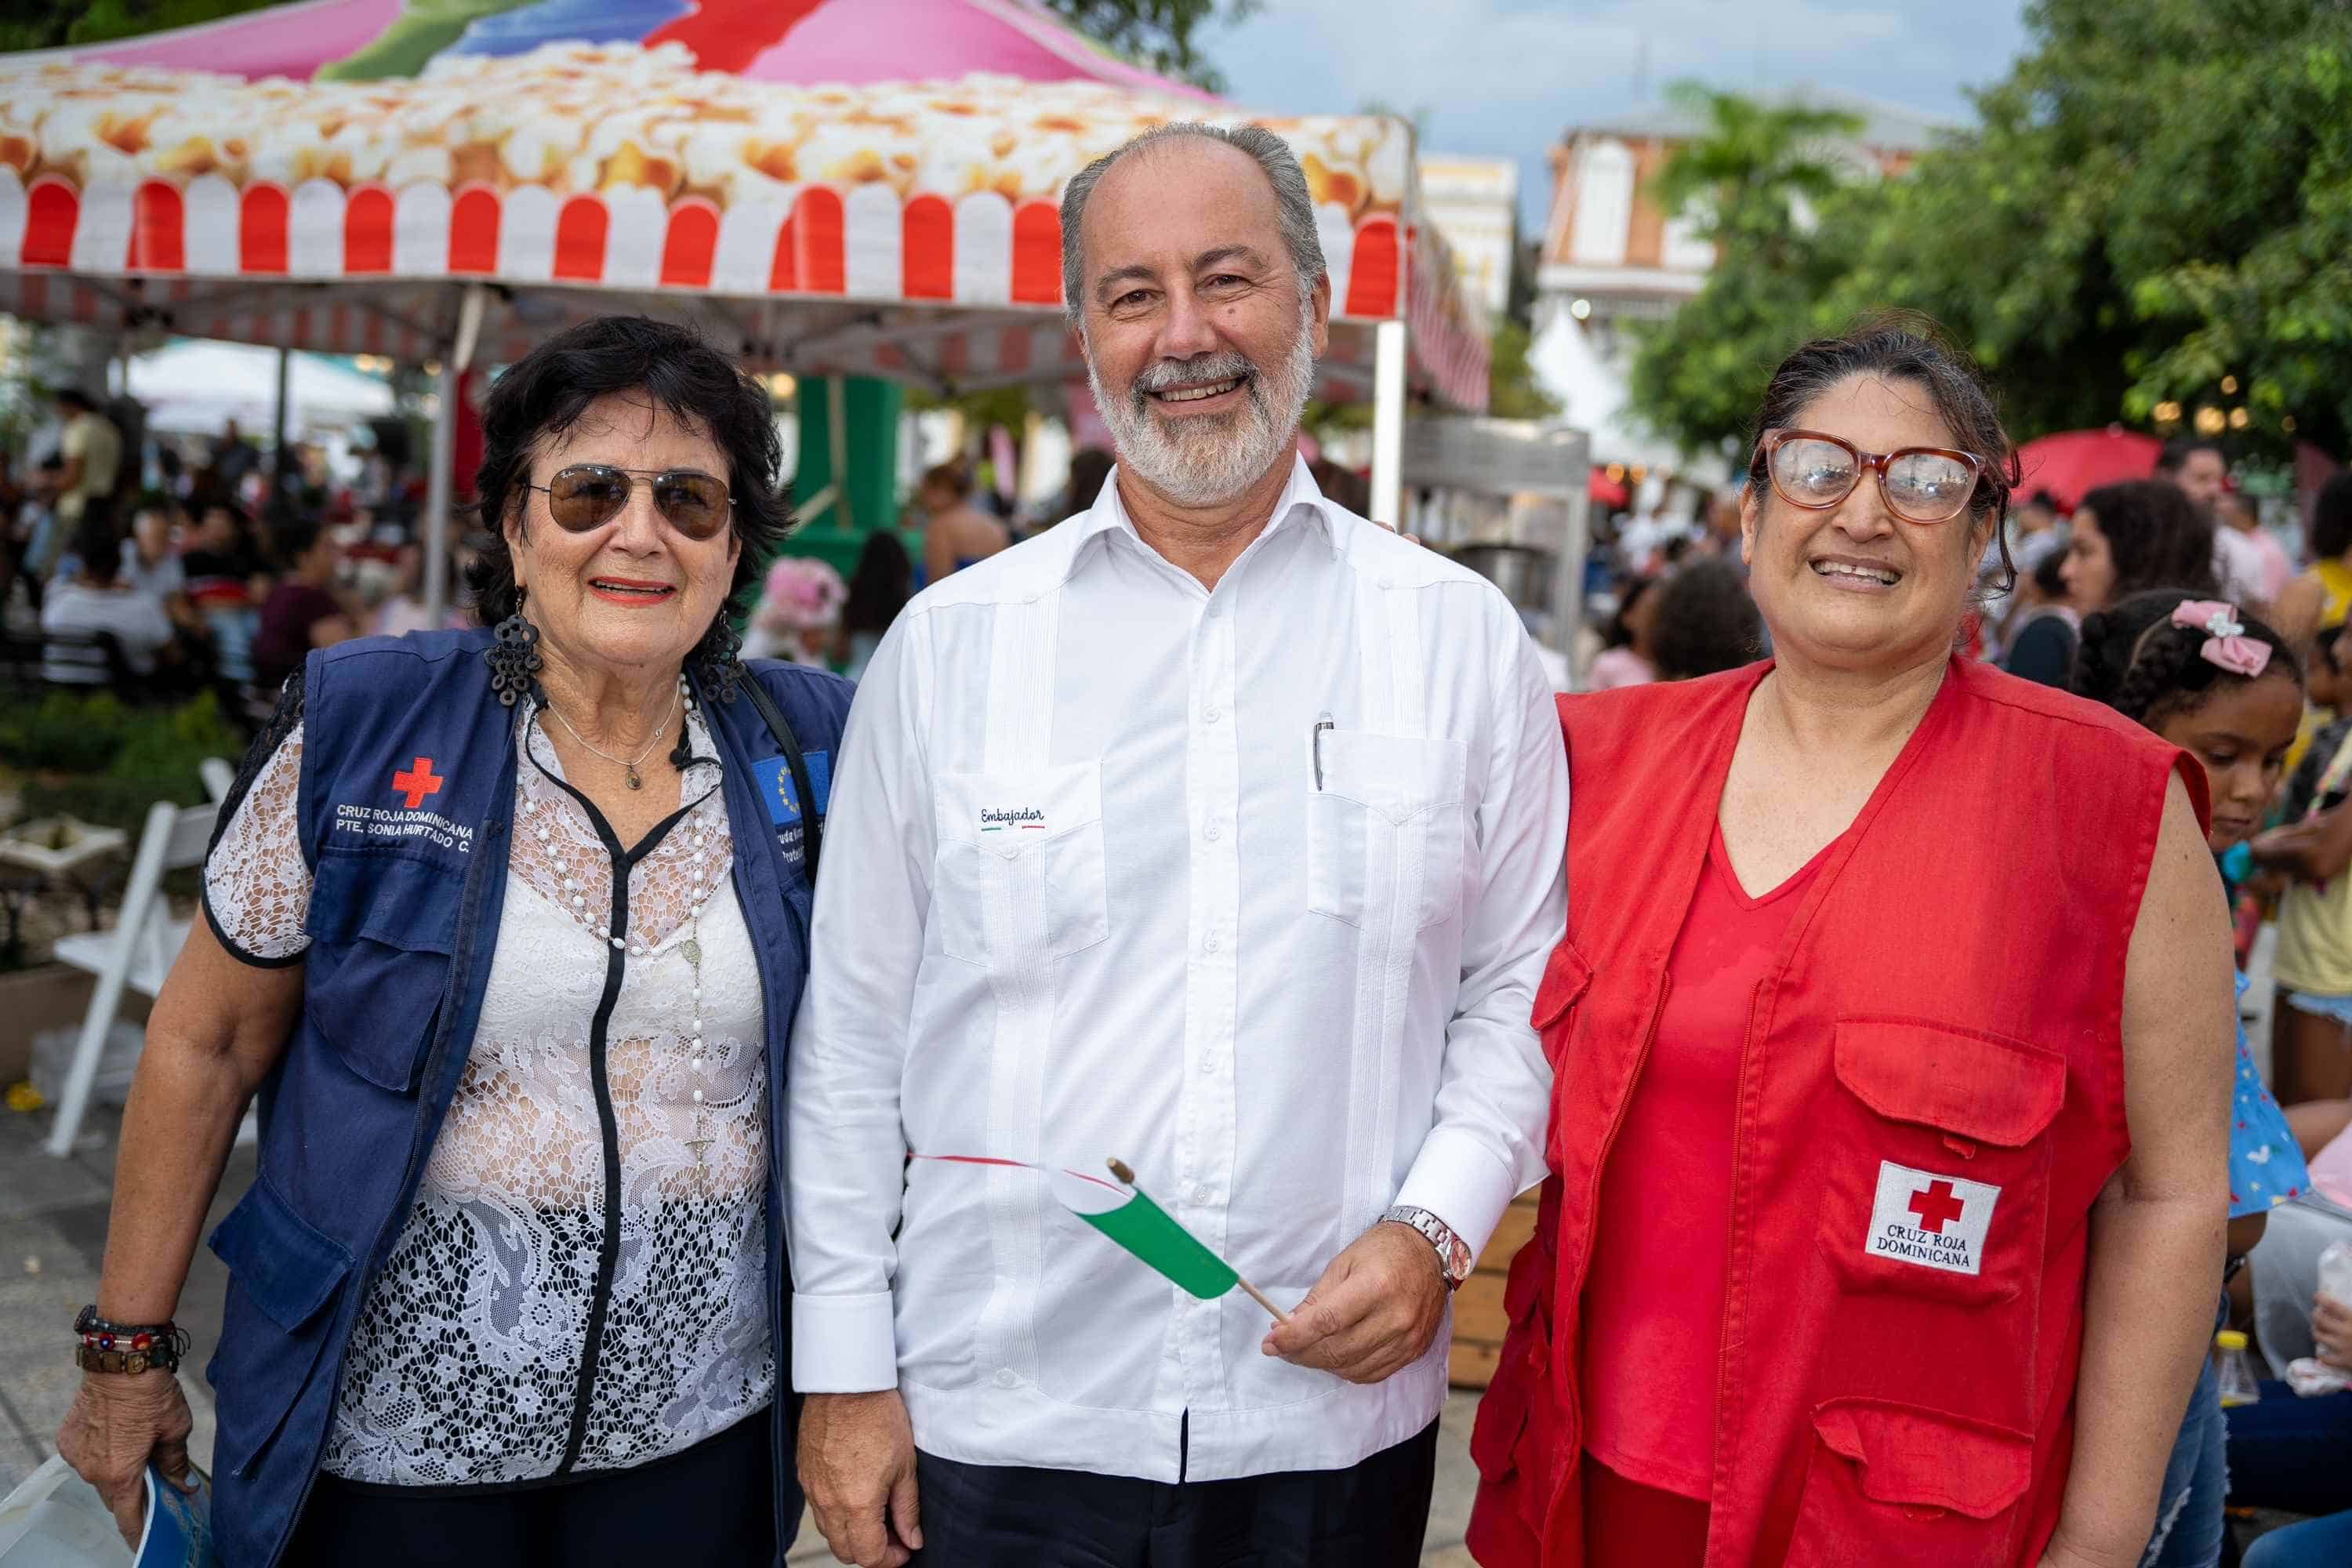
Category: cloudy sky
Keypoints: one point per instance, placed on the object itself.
(1503, 77)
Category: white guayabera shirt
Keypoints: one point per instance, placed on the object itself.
(1095, 884)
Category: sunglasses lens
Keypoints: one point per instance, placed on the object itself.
(1927, 487)
(1813, 473)
(587, 496)
(695, 504)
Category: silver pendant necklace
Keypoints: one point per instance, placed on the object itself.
(661, 733)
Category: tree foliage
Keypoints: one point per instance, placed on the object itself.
(1512, 390)
(1761, 186)
(1744, 180)
(1158, 34)
(55, 24)
(2157, 198)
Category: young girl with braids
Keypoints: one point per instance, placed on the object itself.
(2225, 689)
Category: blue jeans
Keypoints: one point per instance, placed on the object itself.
(2291, 1454)
(2196, 1483)
(2314, 1544)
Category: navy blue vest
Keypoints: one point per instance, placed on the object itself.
(407, 796)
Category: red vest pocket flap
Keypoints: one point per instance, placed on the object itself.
(1925, 1458)
(1565, 978)
(1979, 1086)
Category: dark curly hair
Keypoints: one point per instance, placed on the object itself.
(2157, 536)
(2331, 518)
(1901, 346)
(543, 394)
(1706, 622)
(1621, 635)
(2134, 659)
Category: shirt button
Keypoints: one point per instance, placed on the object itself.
(1212, 715)
(1202, 1195)
(1211, 832)
(1007, 1378)
(1208, 1067)
(1210, 942)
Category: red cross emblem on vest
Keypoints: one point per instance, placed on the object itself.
(1936, 1207)
(417, 782)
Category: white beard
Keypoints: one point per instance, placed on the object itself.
(1208, 461)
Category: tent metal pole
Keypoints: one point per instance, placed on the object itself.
(279, 464)
(436, 494)
(440, 480)
(1388, 422)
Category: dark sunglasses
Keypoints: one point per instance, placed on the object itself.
(590, 495)
(1919, 484)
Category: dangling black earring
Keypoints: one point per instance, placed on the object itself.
(720, 657)
(513, 658)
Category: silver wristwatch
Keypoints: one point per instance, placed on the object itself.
(1454, 1258)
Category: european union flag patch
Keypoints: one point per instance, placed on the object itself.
(775, 776)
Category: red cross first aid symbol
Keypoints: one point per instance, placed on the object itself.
(1936, 1207)
(1931, 1220)
(417, 782)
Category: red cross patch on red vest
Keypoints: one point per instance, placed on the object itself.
(1934, 1221)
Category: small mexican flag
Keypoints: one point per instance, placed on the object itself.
(1127, 1215)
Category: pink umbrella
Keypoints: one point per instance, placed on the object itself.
(2073, 463)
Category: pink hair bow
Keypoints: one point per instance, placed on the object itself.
(2226, 642)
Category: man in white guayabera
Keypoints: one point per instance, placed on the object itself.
(1218, 830)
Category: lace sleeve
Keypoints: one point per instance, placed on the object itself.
(257, 883)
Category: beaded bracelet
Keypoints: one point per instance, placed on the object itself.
(108, 1346)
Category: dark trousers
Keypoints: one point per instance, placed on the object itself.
(2292, 1454)
(714, 1503)
(1371, 1515)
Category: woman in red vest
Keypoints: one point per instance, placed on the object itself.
(1891, 1041)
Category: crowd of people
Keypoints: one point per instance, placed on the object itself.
(1869, 1016)
(219, 576)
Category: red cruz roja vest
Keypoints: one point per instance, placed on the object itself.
(1930, 1098)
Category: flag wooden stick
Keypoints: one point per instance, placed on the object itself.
(1259, 1297)
(1120, 1169)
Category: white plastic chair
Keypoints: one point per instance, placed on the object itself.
(219, 775)
(138, 953)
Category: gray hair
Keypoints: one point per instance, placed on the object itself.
(1269, 152)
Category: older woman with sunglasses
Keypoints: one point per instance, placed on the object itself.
(1889, 1124)
(507, 928)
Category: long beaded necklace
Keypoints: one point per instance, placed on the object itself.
(701, 883)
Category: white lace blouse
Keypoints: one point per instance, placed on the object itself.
(466, 1366)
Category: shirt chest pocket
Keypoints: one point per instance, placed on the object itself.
(1385, 818)
(1019, 870)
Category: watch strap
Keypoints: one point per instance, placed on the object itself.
(1454, 1259)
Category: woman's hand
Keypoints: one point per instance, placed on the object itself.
(2331, 1330)
(119, 1420)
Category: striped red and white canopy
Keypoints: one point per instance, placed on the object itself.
(908, 229)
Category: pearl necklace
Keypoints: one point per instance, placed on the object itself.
(575, 903)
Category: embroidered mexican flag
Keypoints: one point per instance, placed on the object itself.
(1127, 1215)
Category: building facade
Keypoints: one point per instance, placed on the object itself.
(1610, 256)
(1474, 202)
